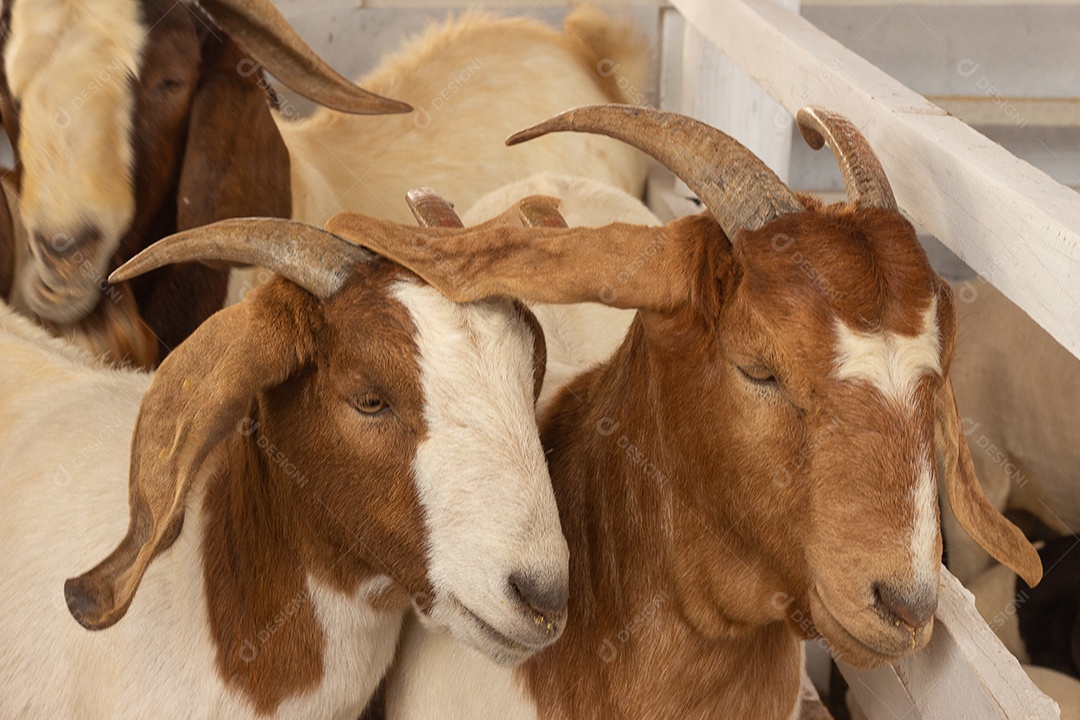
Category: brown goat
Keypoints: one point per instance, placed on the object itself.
(755, 464)
(168, 100)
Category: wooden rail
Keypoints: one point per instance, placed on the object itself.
(1009, 221)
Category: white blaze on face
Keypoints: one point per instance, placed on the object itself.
(894, 364)
(69, 65)
(890, 362)
(481, 474)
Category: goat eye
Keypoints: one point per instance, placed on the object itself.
(370, 405)
(758, 374)
(169, 85)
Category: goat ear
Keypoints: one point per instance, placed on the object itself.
(539, 348)
(8, 236)
(627, 266)
(976, 515)
(199, 395)
(235, 164)
(235, 161)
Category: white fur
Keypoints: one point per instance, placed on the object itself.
(434, 677)
(578, 336)
(477, 375)
(925, 559)
(65, 429)
(892, 363)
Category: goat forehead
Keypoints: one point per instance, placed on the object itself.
(890, 362)
(472, 354)
(69, 65)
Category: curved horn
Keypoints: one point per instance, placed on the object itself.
(432, 210)
(267, 36)
(314, 259)
(864, 177)
(740, 191)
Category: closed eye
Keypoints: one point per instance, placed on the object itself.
(759, 375)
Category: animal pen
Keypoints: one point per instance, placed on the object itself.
(746, 66)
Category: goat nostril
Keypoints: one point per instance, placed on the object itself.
(545, 598)
(913, 609)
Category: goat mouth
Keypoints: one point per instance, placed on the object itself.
(58, 302)
(517, 649)
(885, 641)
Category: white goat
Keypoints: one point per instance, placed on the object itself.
(1020, 390)
(306, 467)
(753, 464)
(472, 82)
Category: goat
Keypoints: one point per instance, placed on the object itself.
(309, 464)
(714, 475)
(1020, 390)
(582, 335)
(193, 139)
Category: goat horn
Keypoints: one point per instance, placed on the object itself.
(740, 191)
(864, 177)
(541, 211)
(267, 36)
(432, 210)
(314, 259)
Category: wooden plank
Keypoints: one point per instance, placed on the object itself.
(715, 90)
(963, 672)
(1002, 110)
(1009, 221)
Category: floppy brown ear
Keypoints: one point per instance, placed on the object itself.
(235, 164)
(627, 266)
(198, 396)
(999, 537)
(8, 237)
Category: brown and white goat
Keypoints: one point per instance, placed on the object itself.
(135, 118)
(304, 468)
(754, 465)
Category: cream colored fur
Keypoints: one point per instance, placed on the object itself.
(472, 81)
(1019, 391)
(68, 64)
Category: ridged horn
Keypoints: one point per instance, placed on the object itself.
(739, 190)
(864, 178)
(267, 36)
(431, 210)
(541, 211)
(314, 259)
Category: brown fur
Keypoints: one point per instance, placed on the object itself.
(267, 531)
(206, 148)
(708, 515)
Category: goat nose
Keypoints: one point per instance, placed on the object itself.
(544, 596)
(913, 608)
(62, 244)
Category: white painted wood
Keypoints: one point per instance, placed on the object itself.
(1020, 111)
(964, 672)
(1004, 218)
(715, 90)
